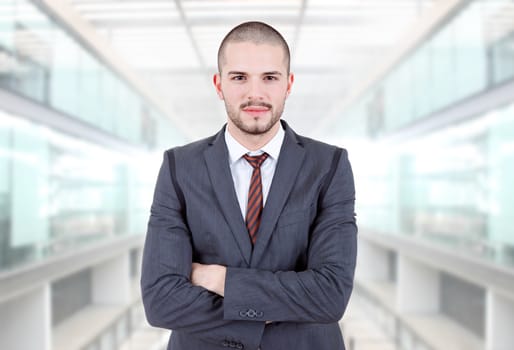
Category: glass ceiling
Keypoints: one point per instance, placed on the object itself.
(173, 45)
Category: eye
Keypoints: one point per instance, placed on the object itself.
(238, 77)
(270, 77)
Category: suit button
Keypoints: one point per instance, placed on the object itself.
(240, 346)
(251, 313)
(225, 343)
(233, 344)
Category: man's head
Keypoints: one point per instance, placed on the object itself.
(253, 79)
(257, 33)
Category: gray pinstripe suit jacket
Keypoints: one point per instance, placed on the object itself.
(299, 274)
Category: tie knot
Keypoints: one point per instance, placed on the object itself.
(256, 161)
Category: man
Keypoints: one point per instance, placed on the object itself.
(251, 242)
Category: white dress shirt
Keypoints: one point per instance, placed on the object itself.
(242, 170)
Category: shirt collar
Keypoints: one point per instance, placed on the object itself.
(236, 150)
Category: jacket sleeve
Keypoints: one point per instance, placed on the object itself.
(169, 298)
(321, 292)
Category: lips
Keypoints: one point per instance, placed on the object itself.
(256, 109)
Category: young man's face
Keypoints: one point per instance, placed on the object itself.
(254, 85)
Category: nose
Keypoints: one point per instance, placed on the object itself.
(255, 90)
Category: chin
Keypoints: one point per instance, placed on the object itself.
(260, 129)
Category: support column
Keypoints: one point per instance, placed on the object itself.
(499, 321)
(417, 287)
(139, 263)
(111, 281)
(25, 322)
(372, 262)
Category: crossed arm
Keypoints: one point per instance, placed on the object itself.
(177, 292)
(210, 277)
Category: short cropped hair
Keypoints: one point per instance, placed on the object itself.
(257, 33)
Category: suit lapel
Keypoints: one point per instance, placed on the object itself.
(289, 163)
(216, 158)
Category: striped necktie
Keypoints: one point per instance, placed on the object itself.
(254, 208)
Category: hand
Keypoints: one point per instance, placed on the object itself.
(210, 277)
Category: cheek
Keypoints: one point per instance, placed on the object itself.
(278, 92)
(232, 95)
(279, 96)
(230, 99)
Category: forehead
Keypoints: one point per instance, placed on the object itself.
(245, 56)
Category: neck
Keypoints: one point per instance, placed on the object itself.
(250, 141)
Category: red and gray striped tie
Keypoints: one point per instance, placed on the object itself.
(254, 208)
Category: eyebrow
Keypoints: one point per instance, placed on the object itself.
(236, 73)
(272, 73)
(244, 73)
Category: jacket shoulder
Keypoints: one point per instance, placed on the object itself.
(191, 149)
(319, 147)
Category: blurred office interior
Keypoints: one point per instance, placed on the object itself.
(420, 92)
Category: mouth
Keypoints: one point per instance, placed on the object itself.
(256, 110)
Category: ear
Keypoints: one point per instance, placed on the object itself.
(216, 79)
(290, 81)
